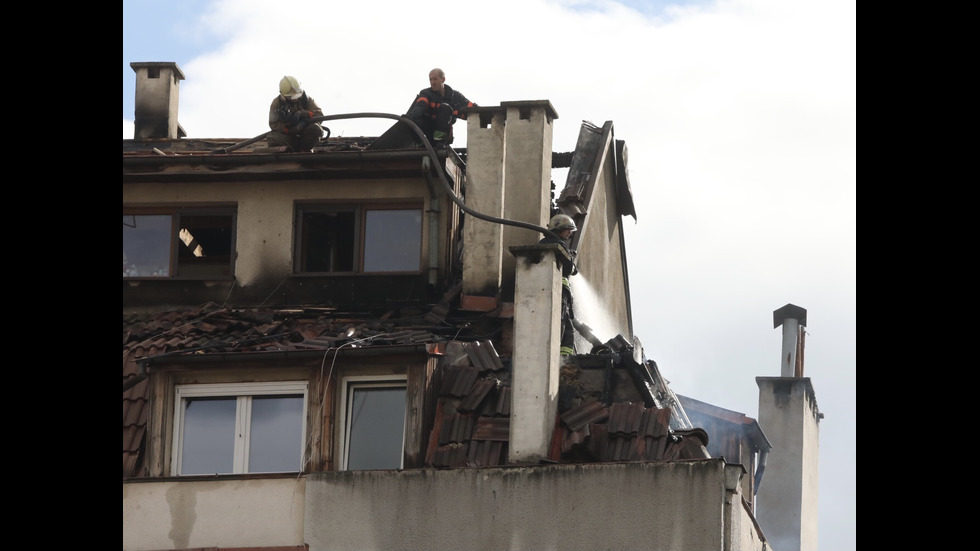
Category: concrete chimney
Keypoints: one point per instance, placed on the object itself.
(157, 95)
(483, 240)
(508, 175)
(536, 357)
(787, 506)
(527, 177)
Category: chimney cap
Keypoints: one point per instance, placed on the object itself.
(790, 311)
(178, 74)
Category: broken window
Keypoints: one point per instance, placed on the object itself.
(362, 238)
(239, 428)
(178, 243)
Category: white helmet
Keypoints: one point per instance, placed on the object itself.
(561, 222)
(290, 87)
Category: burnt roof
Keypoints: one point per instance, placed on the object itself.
(597, 423)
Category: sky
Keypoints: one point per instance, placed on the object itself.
(740, 117)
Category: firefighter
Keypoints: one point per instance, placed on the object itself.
(436, 109)
(289, 118)
(563, 226)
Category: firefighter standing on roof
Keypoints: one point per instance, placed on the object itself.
(563, 226)
(436, 109)
(289, 118)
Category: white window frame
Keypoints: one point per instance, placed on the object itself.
(244, 392)
(367, 381)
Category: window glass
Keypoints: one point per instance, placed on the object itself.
(276, 437)
(392, 240)
(209, 436)
(200, 246)
(375, 426)
(239, 428)
(146, 245)
(330, 240)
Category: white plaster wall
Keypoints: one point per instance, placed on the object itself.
(599, 261)
(663, 506)
(226, 513)
(654, 506)
(811, 472)
(787, 502)
(265, 213)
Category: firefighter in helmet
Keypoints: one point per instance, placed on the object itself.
(563, 226)
(289, 118)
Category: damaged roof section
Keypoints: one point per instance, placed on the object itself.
(210, 332)
(611, 408)
(585, 164)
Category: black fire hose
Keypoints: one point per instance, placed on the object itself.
(432, 156)
(260, 137)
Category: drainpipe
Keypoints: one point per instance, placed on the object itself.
(763, 456)
(433, 222)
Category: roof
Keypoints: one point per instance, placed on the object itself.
(472, 411)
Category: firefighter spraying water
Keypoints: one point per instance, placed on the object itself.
(563, 226)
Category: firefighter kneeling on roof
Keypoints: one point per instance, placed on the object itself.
(563, 226)
(290, 118)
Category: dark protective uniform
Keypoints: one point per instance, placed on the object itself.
(436, 114)
(289, 121)
(567, 305)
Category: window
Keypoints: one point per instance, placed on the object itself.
(185, 243)
(358, 238)
(373, 420)
(239, 428)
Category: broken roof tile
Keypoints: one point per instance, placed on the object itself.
(492, 428)
(477, 393)
(590, 412)
(458, 380)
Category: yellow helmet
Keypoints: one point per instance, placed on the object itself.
(290, 87)
(561, 222)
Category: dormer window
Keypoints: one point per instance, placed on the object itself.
(373, 412)
(186, 243)
(358, 238)
(239, 428)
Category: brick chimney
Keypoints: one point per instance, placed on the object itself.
(157, 94)
(787, 506)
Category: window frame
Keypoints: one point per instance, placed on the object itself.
(174, 268)
(244, 392)
(360, 211)
(352, 382)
